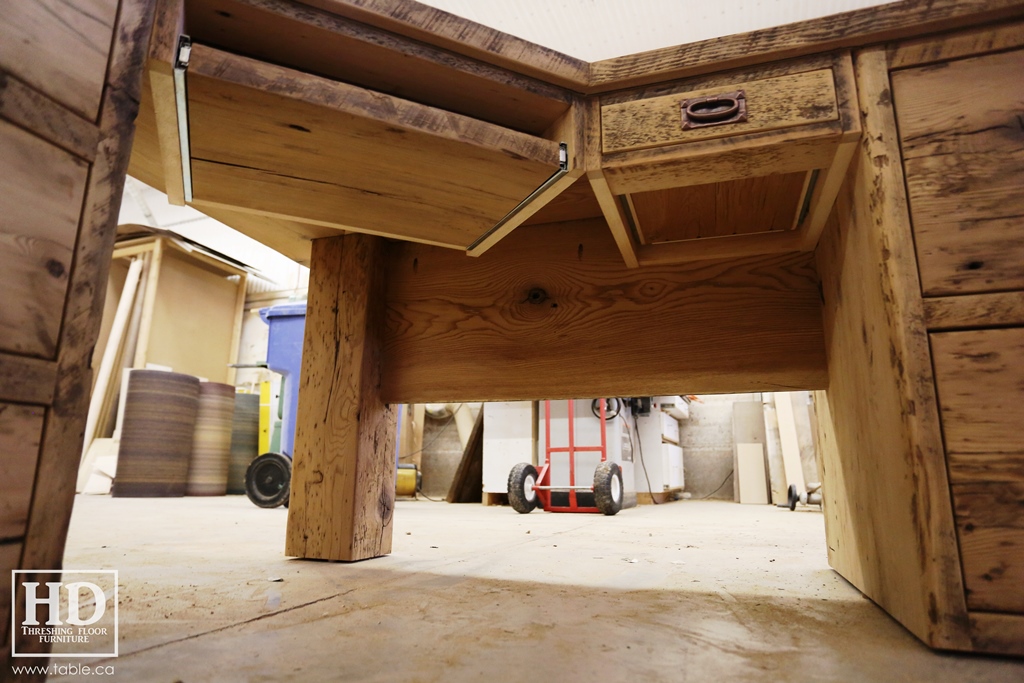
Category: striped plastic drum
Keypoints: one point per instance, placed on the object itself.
(156, 436)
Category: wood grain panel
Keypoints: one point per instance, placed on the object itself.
(1001, 634)
(983, 467)
(41, 189)
(909, 18)
(990, 504)
(50, 512)
(979, 375)
(739, 207)
(21, 430)
(343, 472)
(459, 35)
(38, 114)
(325, 44)
(292, 145)
(72, 75)
(791, 150)
(975, 310)
(535, 316)
(967, 44)
(26, 380)
(993, 560)
(889, 521)
(963, 149)
(773, 103)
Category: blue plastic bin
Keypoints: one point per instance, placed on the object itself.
(284, 355)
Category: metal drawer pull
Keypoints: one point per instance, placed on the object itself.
(714, 110)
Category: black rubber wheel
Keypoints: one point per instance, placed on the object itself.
(521, 494)
(793, 497)
(268, 480)
(608, 488)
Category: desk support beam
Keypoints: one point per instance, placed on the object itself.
(343, 471)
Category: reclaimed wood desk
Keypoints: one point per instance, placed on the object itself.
(832, 205)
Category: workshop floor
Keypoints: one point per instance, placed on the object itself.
(690, 591)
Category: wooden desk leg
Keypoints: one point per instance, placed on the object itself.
(343, 471)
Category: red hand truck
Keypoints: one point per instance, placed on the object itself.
(528, 488)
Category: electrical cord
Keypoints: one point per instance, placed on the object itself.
(436, 436)
(440, 432)
(720, 486)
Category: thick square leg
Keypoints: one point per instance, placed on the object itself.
(343, 472)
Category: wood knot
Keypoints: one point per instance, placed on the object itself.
(536, 296)
(55, 268)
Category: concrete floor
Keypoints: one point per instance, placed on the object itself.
(690, 591)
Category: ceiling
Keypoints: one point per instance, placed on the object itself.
(593, 30)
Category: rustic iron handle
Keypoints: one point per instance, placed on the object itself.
(714, 110)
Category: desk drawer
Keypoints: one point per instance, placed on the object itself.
(979, 375)
(782, 101)
(963, 155)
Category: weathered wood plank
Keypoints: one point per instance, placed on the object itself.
(979, 375)
(792, 150)
(974, 310)
(41, 189)
(311, 40)
(993, 560)
(72, 75)
(772, 103)
(531, 318)
(451, 32)
(614, 213)
(929, 50)
(886, 478)
(909, 18)
(27, 380)
(50, 512)
(33, 111)
(290, 145)
(990, 504)
(963, 149)
(21, 429)
(228, 69)
(985, 467)
(1000, 634)
(343, 472)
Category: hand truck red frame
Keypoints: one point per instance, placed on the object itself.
(528, 488)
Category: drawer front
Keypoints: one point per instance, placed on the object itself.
(21, 430)
(41, 192)
(963, 155)
(979, 376)
(771, 103)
